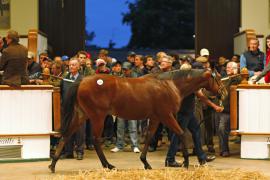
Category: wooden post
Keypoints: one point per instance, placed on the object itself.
(56, 109)
(233, 108)
(32, 42)
(37, 42)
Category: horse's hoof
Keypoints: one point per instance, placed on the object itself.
(52, 168)
(147, 167)
(109, 166)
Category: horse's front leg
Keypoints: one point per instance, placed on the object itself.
(153, 124)
(100, 153)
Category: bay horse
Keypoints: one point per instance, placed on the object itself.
(156, 97)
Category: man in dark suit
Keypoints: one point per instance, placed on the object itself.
(77, 138)
(14, 61)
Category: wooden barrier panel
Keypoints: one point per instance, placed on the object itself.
(26, 109)
(254, 124)
(56, 109)
(233, 108)
(25, 121)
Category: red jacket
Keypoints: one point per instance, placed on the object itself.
(267, 76)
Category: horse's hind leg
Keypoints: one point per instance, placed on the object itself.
(74, 126)
(153, 124)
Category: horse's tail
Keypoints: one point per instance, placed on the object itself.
(68, 104)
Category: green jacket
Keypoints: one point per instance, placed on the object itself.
(86, 71)
(231, 81)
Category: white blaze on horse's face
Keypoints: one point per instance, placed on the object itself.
(100, 82)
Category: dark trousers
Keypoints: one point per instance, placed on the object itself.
(223, 129)
(209, 119)
(88, 134)
(186, 120)
(77, 141)
(142, 127)
(156, 137)
(108, 131)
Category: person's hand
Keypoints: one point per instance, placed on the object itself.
(253, 81)
(218, 108)
(39, 81)
(257, 73)
(32, 81)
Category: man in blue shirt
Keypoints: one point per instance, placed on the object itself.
(253, 59)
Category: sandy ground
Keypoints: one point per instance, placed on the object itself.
(122, 160)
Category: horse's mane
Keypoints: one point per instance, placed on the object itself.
(175, 74)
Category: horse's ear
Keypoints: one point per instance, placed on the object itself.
(207, 74)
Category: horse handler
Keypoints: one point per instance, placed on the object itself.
(187, 119)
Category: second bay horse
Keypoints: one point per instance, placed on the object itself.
(156, 97)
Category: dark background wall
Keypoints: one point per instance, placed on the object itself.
(216, 21)
(64, 23)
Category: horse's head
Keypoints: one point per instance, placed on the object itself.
(191, 80)
(215, 84)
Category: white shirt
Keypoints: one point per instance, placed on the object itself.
(75, 76)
